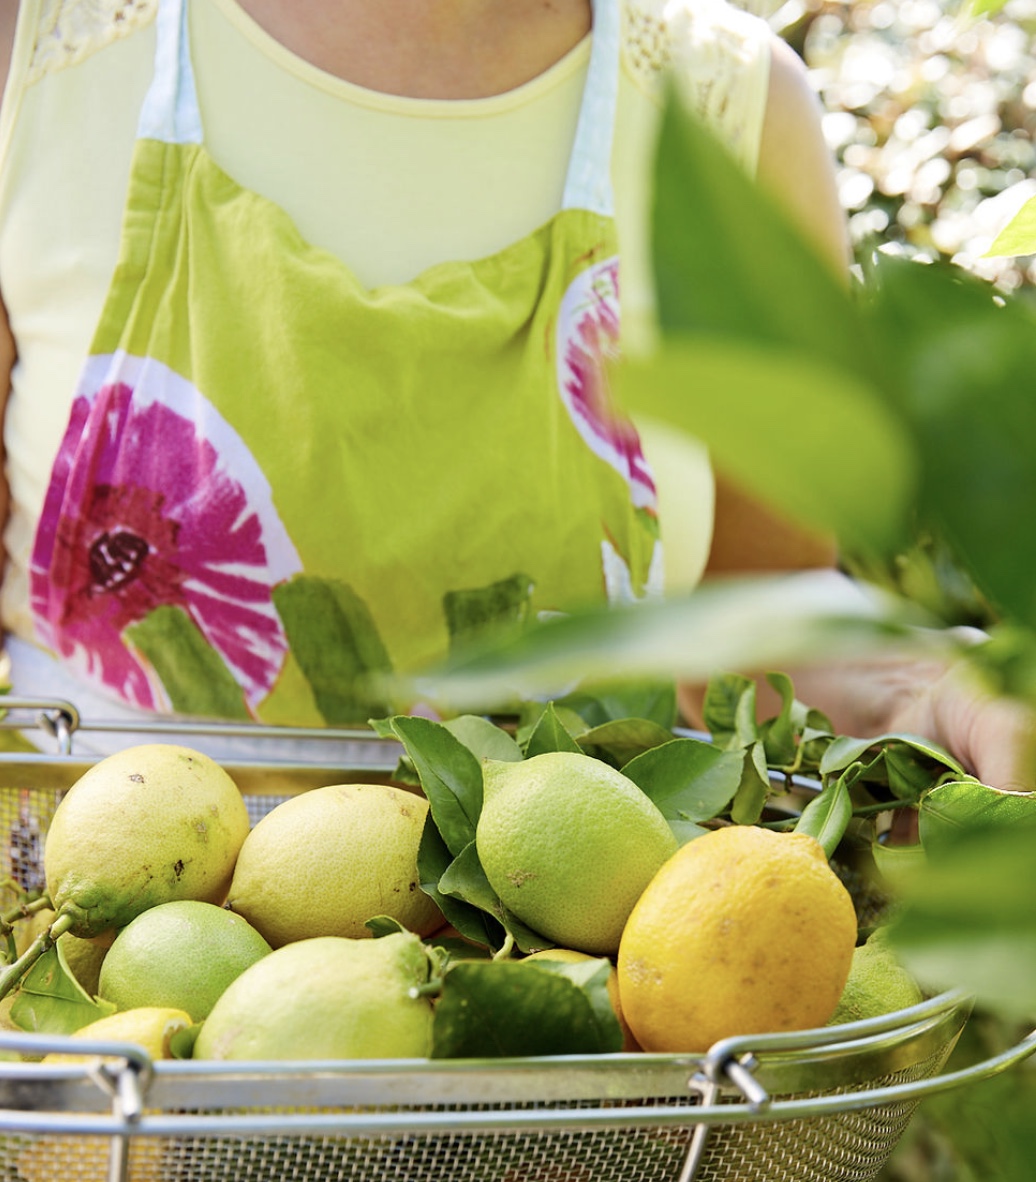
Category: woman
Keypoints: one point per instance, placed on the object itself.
(309, 307)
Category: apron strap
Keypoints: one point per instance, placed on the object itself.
(589, 183)
(170, 112)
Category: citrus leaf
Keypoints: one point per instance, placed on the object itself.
(654, 700)
(750, 622)
(483, 738)
(966, 919)
(450, 775)
(780, 734)
(1018, 237)
(500, 1009)
(687, 779)
(827, 815)
(958, 806)
(181, 1042)
(724, 710)
(896, 863)
(754, 789)
(622, 740)
(466, 880)
(549, 734)
(433, 860)
(845, 750)
(50, 1000)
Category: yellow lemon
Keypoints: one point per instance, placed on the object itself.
(150, 1027)
(568, 843)
(151, 823)
(570, 956)
(743, 931)
(326, 861)
(46, 1158)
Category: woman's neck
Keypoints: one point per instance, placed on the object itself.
(439, 49)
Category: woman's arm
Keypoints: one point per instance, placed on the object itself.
(796, 168)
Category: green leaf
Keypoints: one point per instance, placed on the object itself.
(483, 738)
(433, 860)
(754, 789)
(194, 675)
(687, 779)
(957, 807)
(383, 925)
(181, 1041)
(1018, 237)
(967, 920)
(51, 1001)
(748, 623)
(780, 734)
(845, 750)
(500, 1009)
(550, 734)
(654, 700)
(898, 863)
(466, 880)
(622, 740)
(450, 776)
(827, 816)
(711, 226)
(729, 709)
(814, 441)
(962, 357)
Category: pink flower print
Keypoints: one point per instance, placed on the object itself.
(154, 501)
(587, 339)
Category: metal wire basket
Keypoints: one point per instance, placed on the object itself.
(825, 1105)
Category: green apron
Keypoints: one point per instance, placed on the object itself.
(276, 482)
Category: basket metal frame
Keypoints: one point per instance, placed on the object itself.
(114, 1089)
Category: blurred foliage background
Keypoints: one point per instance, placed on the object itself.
(930, 110)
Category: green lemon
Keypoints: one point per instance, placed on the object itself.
(329, 997)
(181, 955)
(149, 824)
(569, 844)
(324, 862)
(877, 984)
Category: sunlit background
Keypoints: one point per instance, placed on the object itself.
(931, 113)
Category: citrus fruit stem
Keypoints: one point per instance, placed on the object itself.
(23, 911)
(429, 988)
(505, 949)
(11, 975)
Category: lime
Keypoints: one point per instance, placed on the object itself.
(181, 954)
(568, 843)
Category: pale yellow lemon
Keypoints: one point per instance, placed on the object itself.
(326, 861)
(329, 997)
(149, 824)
